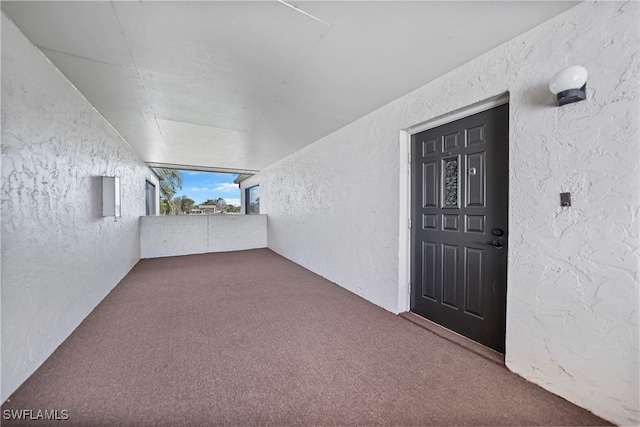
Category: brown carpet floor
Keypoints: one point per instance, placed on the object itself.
(250, 338)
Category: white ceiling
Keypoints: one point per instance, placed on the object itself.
(240, 85)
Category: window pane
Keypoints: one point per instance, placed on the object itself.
(253, 200)
(150, 199)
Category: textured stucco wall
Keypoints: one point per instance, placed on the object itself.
(175, 235)
(59, 257)
(573, 273)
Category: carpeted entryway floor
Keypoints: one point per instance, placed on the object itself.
(250, 338)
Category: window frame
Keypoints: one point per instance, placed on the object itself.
(247, 198)
(150, 210)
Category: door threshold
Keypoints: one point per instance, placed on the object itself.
(454, 337)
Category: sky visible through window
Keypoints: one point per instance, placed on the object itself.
(201, 186)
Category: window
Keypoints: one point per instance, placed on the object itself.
(252, 197)
(150, 198)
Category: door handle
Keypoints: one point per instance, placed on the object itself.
(495, 243)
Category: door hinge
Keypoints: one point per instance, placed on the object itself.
(409, 223)
(409, 288)
(409, 158)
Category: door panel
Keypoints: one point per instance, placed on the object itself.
(449, 275)
(473, 263)
(429, 270)
(474, 223)
(430, 185)
(475, 179)
(459, 196)
(430, 221)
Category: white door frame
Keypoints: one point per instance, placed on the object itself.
(404, 247)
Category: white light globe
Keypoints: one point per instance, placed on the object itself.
(573, 77)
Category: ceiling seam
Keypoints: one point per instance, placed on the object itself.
(297, 9)
(318, 113)
(204, 126)
(79, 57)
(304, 58)
(135, 66)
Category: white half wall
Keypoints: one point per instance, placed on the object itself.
(173, 235)
(60, 258)
(572, 322)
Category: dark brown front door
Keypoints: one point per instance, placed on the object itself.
(460, 186)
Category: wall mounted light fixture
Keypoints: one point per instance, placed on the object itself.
(570, 85)
(111, 197)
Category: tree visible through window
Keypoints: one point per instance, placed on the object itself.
(253, 200)
(189, 192)
(170, 184)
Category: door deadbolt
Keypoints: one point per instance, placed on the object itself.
(497, 232)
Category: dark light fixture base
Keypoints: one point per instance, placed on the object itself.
(572, 95)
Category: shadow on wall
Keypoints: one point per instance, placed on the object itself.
(539, 96)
